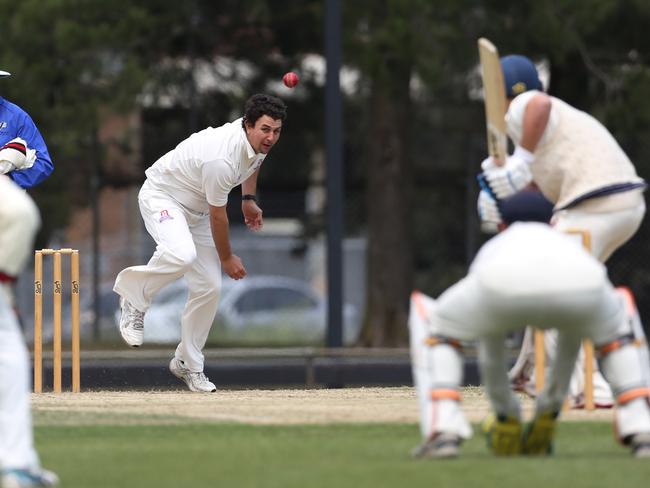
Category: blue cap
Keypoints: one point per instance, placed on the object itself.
(519, 74)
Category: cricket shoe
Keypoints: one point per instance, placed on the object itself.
(641, 445)
(131, 324)
(538, 437)
(443, 445)
(28, 478)
(198, 382)
(503, 435)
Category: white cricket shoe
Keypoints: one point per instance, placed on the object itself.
(641, 445)
(198, 382)
(441, 446)
(28, 478)
(131, 324)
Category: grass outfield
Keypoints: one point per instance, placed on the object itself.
(375, 455)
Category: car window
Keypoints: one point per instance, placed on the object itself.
(273, 299)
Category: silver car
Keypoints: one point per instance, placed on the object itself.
(255, 311)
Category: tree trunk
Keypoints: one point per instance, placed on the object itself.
(389, 256)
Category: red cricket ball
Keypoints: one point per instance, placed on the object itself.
(290, 79)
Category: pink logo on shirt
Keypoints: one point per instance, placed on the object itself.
(164, 215)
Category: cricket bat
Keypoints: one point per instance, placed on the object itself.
(495, 101)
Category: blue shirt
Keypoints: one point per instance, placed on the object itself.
(15, 122)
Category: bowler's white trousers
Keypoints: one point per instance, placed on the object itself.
(185, 248)
(16, 439)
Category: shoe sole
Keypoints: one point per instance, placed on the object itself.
(126, 341)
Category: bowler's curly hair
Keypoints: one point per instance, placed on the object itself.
(261, 104)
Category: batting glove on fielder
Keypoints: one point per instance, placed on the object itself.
(488, 212)
(513, 176)
(15, 155)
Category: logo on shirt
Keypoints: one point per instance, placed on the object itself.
(164, 215)
(258, 163)
(3, 125)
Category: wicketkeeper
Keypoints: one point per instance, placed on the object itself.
(530, 273)
(579, 167)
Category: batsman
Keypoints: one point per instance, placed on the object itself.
(576, 163)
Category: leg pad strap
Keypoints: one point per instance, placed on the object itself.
(436, 340)
(618, 343)
(633, 394)
(445, 394)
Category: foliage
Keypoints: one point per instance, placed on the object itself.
(76, 59)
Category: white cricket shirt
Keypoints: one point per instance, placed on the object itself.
(576, 155)
(205, 167)
(532, 258)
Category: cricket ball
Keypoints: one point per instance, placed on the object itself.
(290, 79)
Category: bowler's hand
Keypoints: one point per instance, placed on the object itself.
(233, 267)
(252, 214)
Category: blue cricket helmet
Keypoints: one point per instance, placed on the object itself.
(519, 75)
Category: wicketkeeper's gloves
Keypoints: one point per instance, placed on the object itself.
(503, 435)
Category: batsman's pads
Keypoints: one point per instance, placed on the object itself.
(539, 434)
(510, 178)
(15, 155)
(437, 372)
(503, 434)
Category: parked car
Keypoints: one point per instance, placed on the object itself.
(255, 311)
(108, 302)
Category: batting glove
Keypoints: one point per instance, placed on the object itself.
(488, 212)
(512, 176)
(15, 155)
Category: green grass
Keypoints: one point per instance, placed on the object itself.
(372, 456)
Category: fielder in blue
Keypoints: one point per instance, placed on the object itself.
(23, 153)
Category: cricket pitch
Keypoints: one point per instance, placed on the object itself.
(257, 407)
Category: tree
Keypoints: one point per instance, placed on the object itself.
(396, 44)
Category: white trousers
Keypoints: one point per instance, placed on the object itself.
(16, 439)
(184, 248)
(607, 232)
